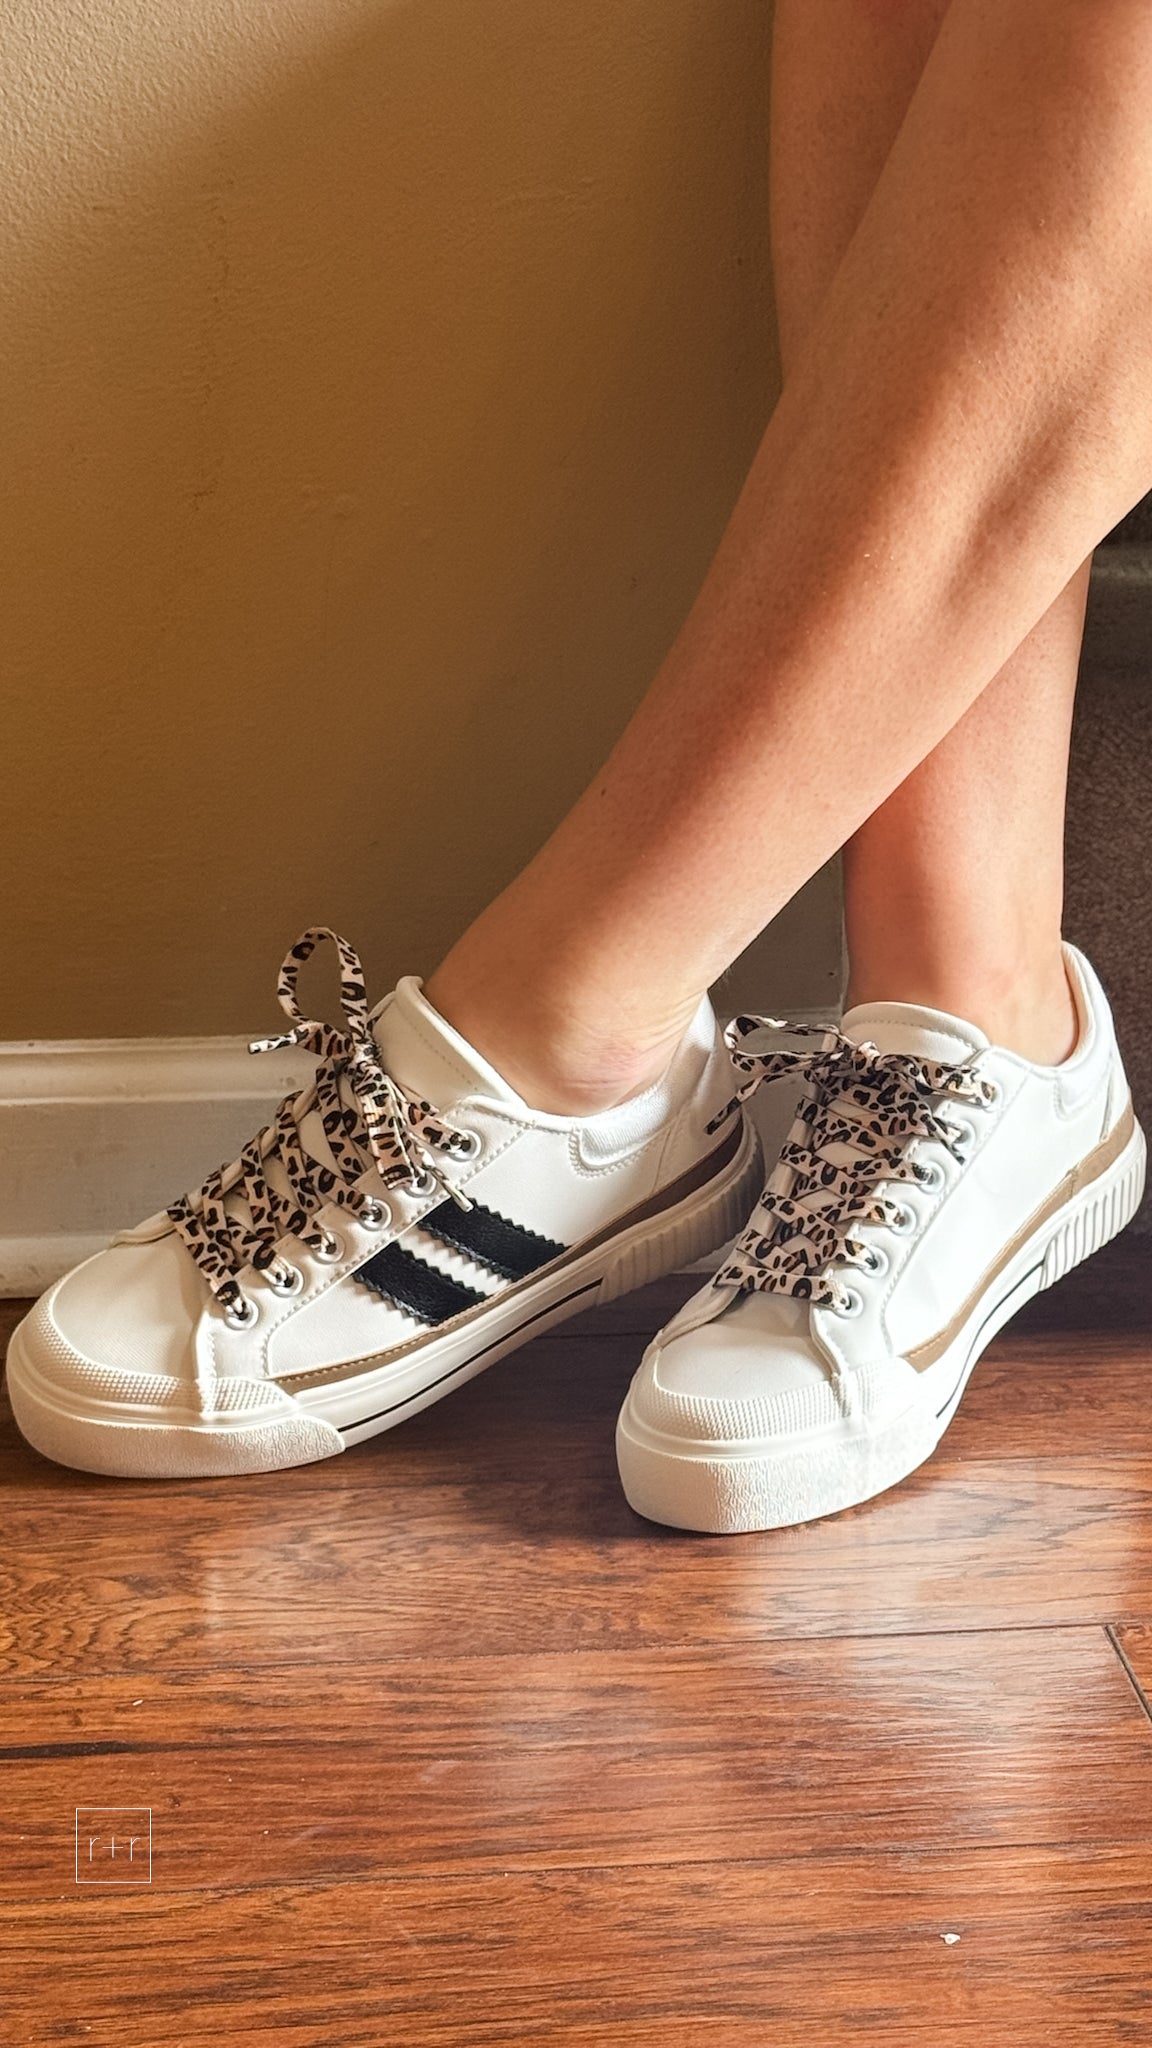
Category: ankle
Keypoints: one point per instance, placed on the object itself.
(562, 1063)
(1026, 1007)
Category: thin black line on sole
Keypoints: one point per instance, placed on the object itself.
(591, 1287)
(973, 1358)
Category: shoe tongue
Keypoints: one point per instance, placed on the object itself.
(419, 1048)
(905, 1027)
(427, 1057)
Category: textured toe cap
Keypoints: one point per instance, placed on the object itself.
(101, 1377)
(752, 1371)
(120, 1327)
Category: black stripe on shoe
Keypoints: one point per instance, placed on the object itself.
(407, 1282)
(507, 1248)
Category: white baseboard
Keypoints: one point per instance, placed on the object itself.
(30, 1264)
(96, 1134)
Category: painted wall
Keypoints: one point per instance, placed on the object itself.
(378, 375)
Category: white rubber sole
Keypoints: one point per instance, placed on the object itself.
(722, 1490)
(281, 1426)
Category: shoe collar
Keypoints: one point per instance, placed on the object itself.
(428, 1058)
(937, 1035)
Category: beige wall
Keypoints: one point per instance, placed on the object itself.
(377, 374)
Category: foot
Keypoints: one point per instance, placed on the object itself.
(931, 1184)
(396, 1228)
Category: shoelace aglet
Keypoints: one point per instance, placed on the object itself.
(285, 1041)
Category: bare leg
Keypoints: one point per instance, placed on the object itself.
(954, 886)
(970, 415)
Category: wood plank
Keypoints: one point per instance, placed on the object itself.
(520, 1763)
(1053, 1953)
(378, 1558)
(495, 1523)
(1135, 1643)
(1063, 1394)
(714, 1823)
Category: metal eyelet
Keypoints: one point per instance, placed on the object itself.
(331, 1251)
(930, 1175)
(242, 1313)
(904, 1223)
(877, 1260)
(851, 1305)
(470, 1145)
(374, 1215)
(424, 1184)
(284, 1280)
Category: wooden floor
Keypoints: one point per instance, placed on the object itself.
(443, 1745)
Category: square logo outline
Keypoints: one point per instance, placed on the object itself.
(113, 1809)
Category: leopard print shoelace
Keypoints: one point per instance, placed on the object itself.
(368, 1121)
(857, 1101)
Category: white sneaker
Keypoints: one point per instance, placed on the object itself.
(396, 1228)
(930, 1185)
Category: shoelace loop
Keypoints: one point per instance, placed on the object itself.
(872, 1103)
(367, 1119)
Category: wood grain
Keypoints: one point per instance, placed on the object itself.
(495, 1524)
(447, 1749)
(519, 1763)
(1134, 1644)
(1053, 1953)
(267, 1573)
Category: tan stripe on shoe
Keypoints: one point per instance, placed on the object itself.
(1090, 1168)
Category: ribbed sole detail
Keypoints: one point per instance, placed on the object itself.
(683, 1240)
(730, 1496)
(1099, 1220)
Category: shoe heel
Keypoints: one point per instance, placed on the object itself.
(1103, 1214)
(692, 1230)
